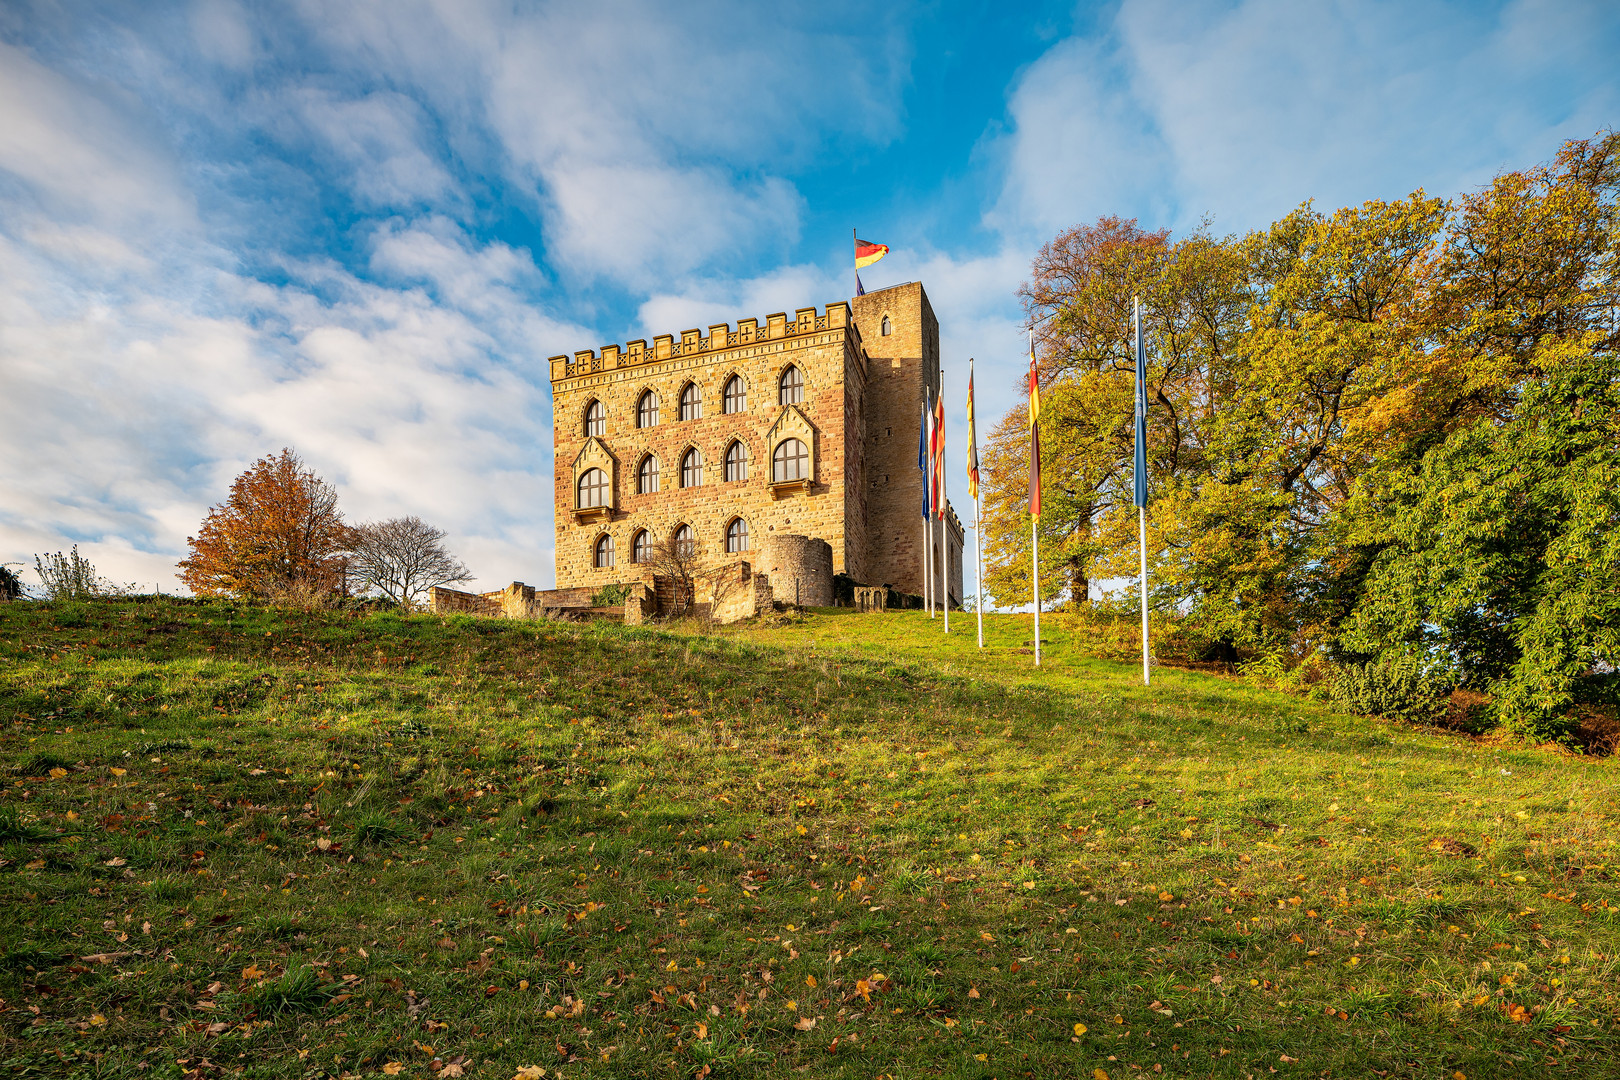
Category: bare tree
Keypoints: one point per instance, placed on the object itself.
(677, 561)
(402, 558)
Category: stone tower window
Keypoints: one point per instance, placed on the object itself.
(593, 489)
(736, 536)
(595, 420)
(691, 403)
(887, 328)
(692, 470)
(647, 476)
(685, 542)
(736, 462)
(604, 552)
(641, 547)
(791, 388)
(647, 410)
(791, 461)
(736, 396)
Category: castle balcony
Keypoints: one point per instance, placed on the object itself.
(788, 488)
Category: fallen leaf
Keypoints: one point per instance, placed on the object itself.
(809, 980)
(805, 1023)
(452, 1070)
(1098, 1074)
(1079, 1029)
(392, 1068)
(973, 991)
(529, 1072)
(1166, 897)
(58, 773)
(219, 1027)
(97, 1020)
(702, 1030)
(116, 771)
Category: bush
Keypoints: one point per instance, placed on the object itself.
(11, 587)
(73, 577)
(610, 596)
(1404, 686)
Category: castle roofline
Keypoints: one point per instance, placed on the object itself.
(720, 336)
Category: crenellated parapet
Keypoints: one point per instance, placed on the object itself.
(720, 336)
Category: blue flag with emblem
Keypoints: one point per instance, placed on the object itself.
(922, 455)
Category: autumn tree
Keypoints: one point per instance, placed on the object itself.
(280, 529)
(401, 559)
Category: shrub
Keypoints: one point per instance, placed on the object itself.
(71, 576)
(1404, 686)
(610, 596)
(11, 587)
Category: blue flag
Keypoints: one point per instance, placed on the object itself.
(922, 455)
(1141, 413)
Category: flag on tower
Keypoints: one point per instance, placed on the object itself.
(973, 444)
(1034, 432)
(867, 254)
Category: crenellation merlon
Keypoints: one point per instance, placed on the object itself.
(777, 326)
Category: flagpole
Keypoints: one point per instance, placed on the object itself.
(1141, 466)
(944, 508)
(978, 528)
(1035, 570)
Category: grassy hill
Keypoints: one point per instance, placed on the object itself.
(269, 843)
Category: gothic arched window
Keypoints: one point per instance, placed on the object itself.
(641, 547)
(790, 391)
(735, 399)
(593, 489)
(736, 462)
(647, 476)
(595, 420)
(685, 542)
(887, 328)
(604, 552)
(691, 402)
(790, 461)
(647, 410)
(692, 469)
(736, 536)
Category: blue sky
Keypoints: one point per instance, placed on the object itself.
(360, 229)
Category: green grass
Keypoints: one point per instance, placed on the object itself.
(288, 844)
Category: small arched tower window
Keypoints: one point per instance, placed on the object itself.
(692, 469)
(790, 461)
(641, 547)
(736, 462)
(691, 402)
(736, 395)
(736, 536)
(685, 542)
(887, 327)
(791, 389)
(595, 420)
(647, 476)
(604, 552)
(593, 489)
(647, 410)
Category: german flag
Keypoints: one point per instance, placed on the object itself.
(867, 254)
(1034, 432)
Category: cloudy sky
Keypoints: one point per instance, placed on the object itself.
(359, 229)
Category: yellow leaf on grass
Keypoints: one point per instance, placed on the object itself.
(1166, 897)
(805, 1023)
(116, 771)
(1079, 1029)
(703, 1031)
(529, 1072)
(392, 1068)
(981, 1057)
(809, 980)
(973, 991)
(800, 829)
(98, 1020)
(252, 972)
(58, 773)
(1098, 1074)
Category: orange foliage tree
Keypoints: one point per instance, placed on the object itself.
(280, 529)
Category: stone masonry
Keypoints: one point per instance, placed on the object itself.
(862, 365)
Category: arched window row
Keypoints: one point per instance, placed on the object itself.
(733, 399)
(682, 538)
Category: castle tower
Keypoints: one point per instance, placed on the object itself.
(901, 336)
(803, 426)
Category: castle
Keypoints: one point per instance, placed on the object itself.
(787, 447)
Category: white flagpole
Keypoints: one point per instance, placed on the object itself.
(1035, 566)
(1141, 511)
(944, 514)
(978, 534)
